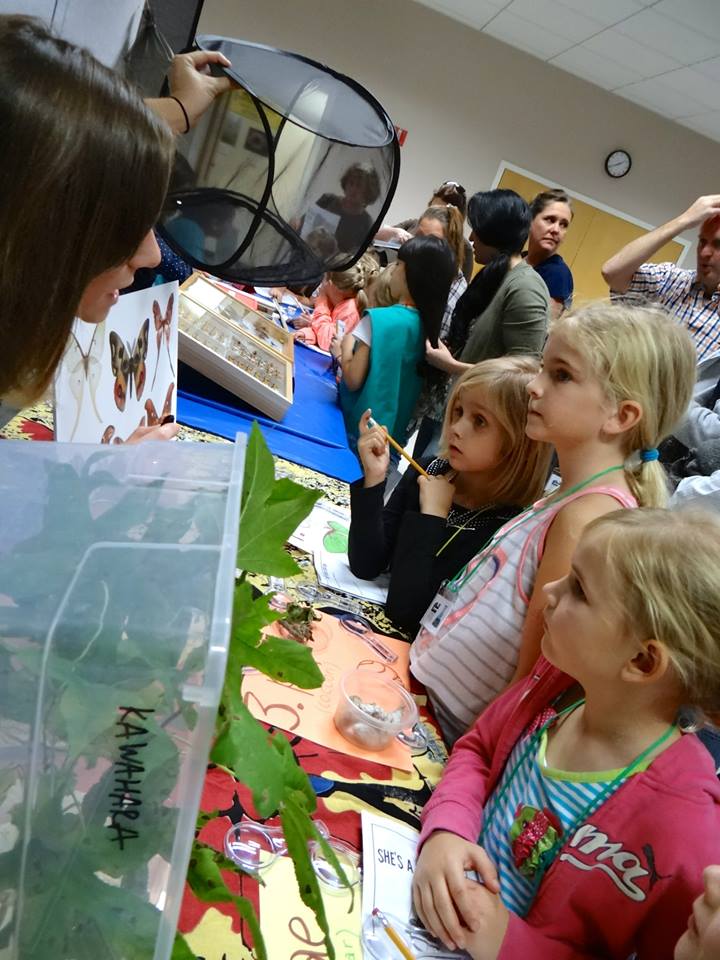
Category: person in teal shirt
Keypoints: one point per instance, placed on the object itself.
(383, 359)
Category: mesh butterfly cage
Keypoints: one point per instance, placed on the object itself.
(285, 178)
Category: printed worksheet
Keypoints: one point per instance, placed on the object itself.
(325, 520)
(333, 570)
(389, 854)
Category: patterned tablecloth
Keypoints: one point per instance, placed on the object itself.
(345, 786)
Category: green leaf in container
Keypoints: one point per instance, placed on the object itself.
(286, 661)
(295, 779)
(298, 830)
(250, 616)
(243, 747)
(271, 512)
(181, 950)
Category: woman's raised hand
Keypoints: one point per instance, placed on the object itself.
(373, 450)
(190, 81)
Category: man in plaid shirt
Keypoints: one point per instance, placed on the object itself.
(693, 296)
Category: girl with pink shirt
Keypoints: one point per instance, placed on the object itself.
(339, 304)
(574, 819)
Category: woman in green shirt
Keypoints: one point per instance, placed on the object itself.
(506, 308)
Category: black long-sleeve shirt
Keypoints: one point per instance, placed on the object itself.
(398, 536)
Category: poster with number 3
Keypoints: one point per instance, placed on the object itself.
(122, 373)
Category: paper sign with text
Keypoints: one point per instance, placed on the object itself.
(389, 857)
(389, 853)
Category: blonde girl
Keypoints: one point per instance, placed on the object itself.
(578, 796)
(488, 469)
(615, 380)
(379, 293)
(339, 304)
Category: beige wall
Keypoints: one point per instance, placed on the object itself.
(470, 102)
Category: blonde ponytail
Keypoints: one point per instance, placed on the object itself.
(378, 293)
(641, 354)
(355, 279)
(647, 479)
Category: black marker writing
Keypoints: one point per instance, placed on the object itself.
(128, 770)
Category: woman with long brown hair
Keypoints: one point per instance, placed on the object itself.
(84, 172)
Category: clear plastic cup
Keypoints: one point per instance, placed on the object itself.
(373, 710)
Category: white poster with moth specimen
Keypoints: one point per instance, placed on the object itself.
(122, 373)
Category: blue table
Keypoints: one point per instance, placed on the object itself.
(312, 433)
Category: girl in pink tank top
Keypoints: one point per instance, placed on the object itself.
(615, 381)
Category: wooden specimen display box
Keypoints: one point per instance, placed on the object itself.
(214, 296)
(230, 356)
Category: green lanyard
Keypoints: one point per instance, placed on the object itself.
(547, 858)
(463, 575)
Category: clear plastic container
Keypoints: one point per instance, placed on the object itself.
(116, 581)
(372, 710)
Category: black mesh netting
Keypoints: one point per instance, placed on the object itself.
(284, 179)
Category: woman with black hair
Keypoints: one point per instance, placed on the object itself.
(382, 359)
(506, 308)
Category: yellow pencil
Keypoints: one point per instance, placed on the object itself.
(394, 935)
(401, 450)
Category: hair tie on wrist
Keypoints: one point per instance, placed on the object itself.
(646, 456)
(187, 118)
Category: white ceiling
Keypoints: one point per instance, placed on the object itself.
(661, 54)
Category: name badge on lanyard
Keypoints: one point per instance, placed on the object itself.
(437, 613)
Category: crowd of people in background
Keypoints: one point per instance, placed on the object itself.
(567, 632)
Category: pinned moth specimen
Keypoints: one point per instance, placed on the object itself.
(128, 365)
(83, 367)
(163, 330)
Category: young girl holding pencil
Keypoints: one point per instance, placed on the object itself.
(383, 358)
(615, 381)
(436, 521)
(584, 807)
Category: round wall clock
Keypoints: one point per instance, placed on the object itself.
(617, 163)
